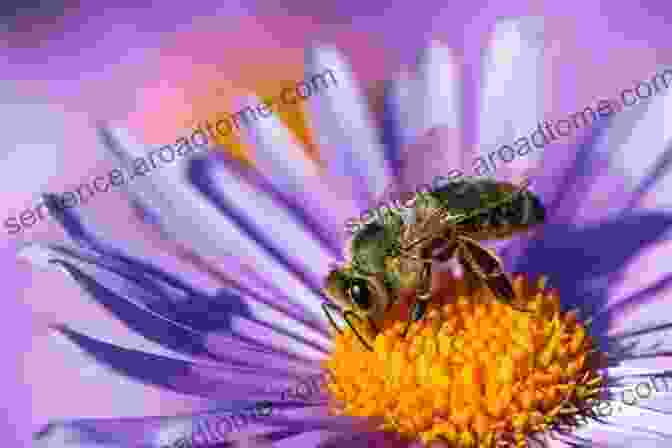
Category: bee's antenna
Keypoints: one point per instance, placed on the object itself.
(326, 306)
(354, 330)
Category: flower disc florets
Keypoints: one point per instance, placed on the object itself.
(474, 371)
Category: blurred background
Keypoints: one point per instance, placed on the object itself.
(157, 68)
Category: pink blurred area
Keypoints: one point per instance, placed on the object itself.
(155, 71)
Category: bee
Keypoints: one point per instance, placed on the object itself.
(396, 251)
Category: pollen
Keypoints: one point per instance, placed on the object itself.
(474, 372)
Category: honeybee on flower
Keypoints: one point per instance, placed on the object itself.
(393, 254)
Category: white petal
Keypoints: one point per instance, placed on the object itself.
(511, 103)
(429, 96)
(427, 105)
(441, 88)
(628, 371)
(349, 143)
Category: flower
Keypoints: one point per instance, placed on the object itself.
(278, 227)
(474, 371)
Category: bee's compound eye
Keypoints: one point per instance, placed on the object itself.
(360, 293)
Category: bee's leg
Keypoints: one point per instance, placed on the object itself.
(423, 294)
(373, 325)
(424, 291)
(422, 297)
(479, 263)
(346, 316)
(325, 307)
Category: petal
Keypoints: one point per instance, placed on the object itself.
(216, 381)
(511, 103)
(430, 160)
(349, 144)
(440, 88)
(596, 263)
(644, 388)
(645, 279)
(178, 322)
(629, 426)
(234, 427)
(242, 198)
(352, 439)
(403, 108)
(71, 221)
(635, 150)
(248, 282)
(282, 163)
(559, 184)
(426, 107)
(195, 223)
(644, 345)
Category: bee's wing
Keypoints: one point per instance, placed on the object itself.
(480, 262)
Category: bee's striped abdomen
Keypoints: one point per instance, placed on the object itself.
(515, 211)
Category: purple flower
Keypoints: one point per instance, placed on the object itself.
(280, 226)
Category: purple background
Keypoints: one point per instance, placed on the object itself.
(156, 68)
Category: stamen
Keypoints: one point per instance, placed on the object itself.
(474, 371)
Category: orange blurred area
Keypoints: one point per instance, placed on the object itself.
(292, 115)
(218, 102)
(202, 74)
(199, 76)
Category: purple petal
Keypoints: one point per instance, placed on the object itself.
(378, 439)
(403, 112)
(198, 225)
(234, 428)
(182, 323)
(114, 259)
(317, 201)
(349, 144)
(584, 263)
(635, 150)
(143, 321)
(431, 160)
(71, 222)
(649, 389)
(630, 426)
(240, 197)
(216, 381)
(566, 170)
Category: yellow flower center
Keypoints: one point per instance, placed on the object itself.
(473, 372)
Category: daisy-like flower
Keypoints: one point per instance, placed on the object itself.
(474, 372)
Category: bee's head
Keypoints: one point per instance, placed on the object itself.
(364, 295)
